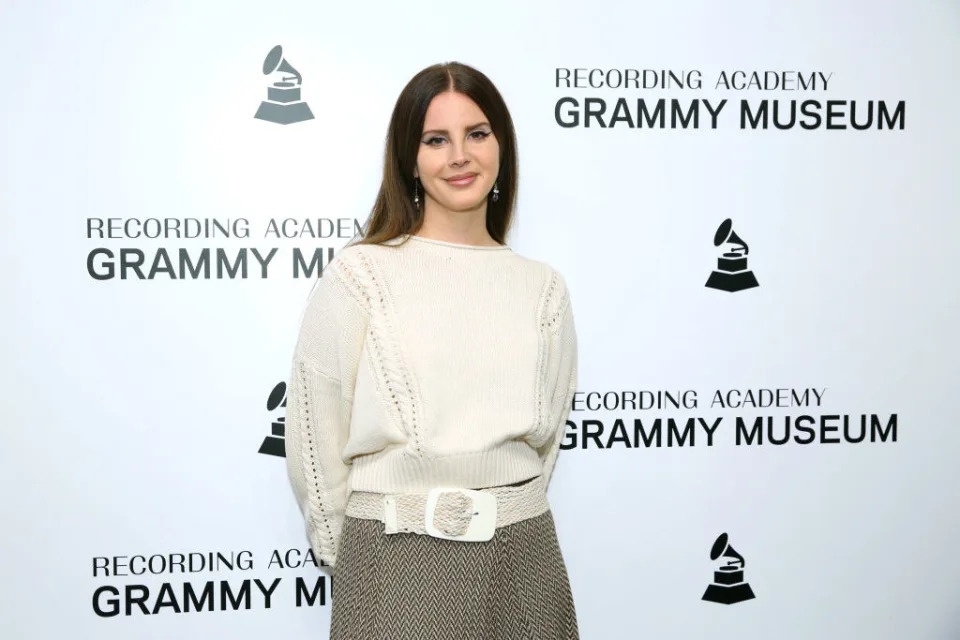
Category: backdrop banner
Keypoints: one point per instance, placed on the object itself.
(754, 206)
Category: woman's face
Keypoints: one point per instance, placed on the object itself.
(457, 139)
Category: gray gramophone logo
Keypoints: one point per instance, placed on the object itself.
(273, 444)
(728, 585)
(732, 273)
(283, 104)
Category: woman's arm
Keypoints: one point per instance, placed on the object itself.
(319, 405)
(561, 373)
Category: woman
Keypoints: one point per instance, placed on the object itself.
(431, 384)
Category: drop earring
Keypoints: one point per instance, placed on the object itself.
(416, 196)
(496, 191)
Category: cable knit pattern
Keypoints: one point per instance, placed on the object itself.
(388, 361)
(462, 360)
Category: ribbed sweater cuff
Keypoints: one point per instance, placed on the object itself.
(398, 471)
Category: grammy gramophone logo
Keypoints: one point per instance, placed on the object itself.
(728, 586)
(732, 273)
(273, 444)
(283, 104)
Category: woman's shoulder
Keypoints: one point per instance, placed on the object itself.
(549, 274)
(554, 295)
(354, 253)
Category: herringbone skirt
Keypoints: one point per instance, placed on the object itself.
(409, 586)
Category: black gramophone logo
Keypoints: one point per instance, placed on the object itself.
(283, 104)
(731, 273)
(728, 586)
(273, 444)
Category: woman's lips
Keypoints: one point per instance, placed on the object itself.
(463, 182)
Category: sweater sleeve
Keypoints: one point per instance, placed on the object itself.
(319, 404)
(561, 374)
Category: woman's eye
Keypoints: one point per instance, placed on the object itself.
(479, 135)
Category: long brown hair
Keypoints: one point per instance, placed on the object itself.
(393, 212)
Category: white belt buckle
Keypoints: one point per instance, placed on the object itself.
(483, 524)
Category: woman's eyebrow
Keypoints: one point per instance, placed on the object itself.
(479, 124)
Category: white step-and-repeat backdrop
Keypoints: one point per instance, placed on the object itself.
(755, 205)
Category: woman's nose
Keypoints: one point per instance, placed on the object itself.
(458, 153)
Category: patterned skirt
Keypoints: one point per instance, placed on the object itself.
(411, 586)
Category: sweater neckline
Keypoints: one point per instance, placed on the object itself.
(501, 247)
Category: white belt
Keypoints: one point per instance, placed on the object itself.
(452, 513)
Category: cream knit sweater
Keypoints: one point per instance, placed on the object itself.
(426, 363)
